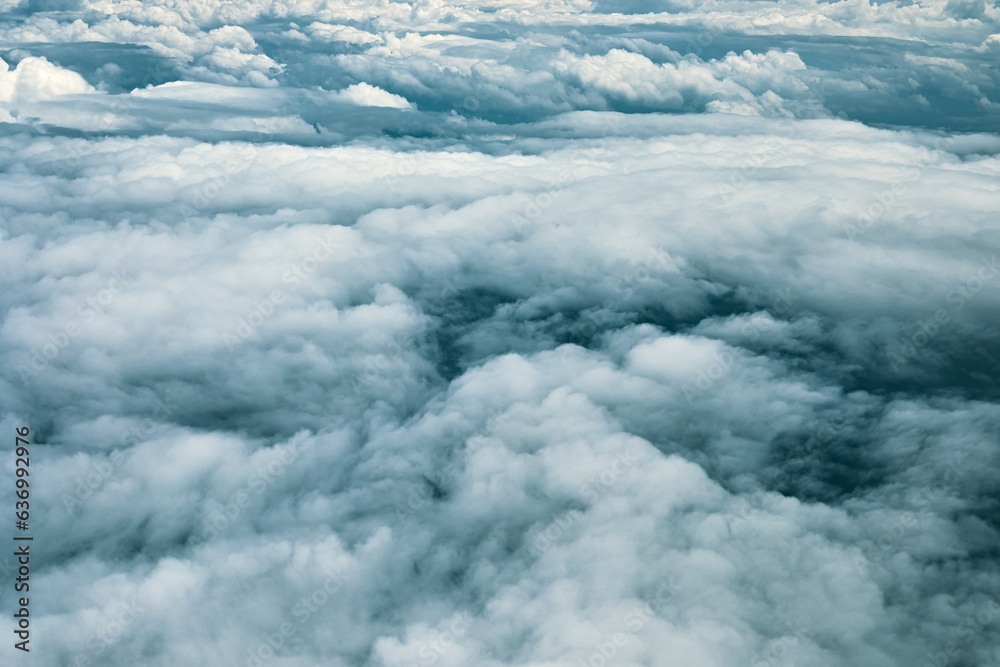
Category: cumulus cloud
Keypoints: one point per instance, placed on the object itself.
(534, 333)
(36, 80)
(366, 95)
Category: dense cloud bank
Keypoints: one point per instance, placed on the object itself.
(531, 333)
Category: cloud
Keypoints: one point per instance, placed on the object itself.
(504, 334)
(340, 33)
(36, 80)
(366, 95)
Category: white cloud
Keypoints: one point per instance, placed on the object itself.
(450, 334)
(35, 80)
(366, 95)
(340, 33)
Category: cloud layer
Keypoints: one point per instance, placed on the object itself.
(535, 333)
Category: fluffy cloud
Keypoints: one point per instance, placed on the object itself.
(366, 95)
(536, 333)
(34, 80)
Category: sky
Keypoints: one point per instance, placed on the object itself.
(535, 333)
